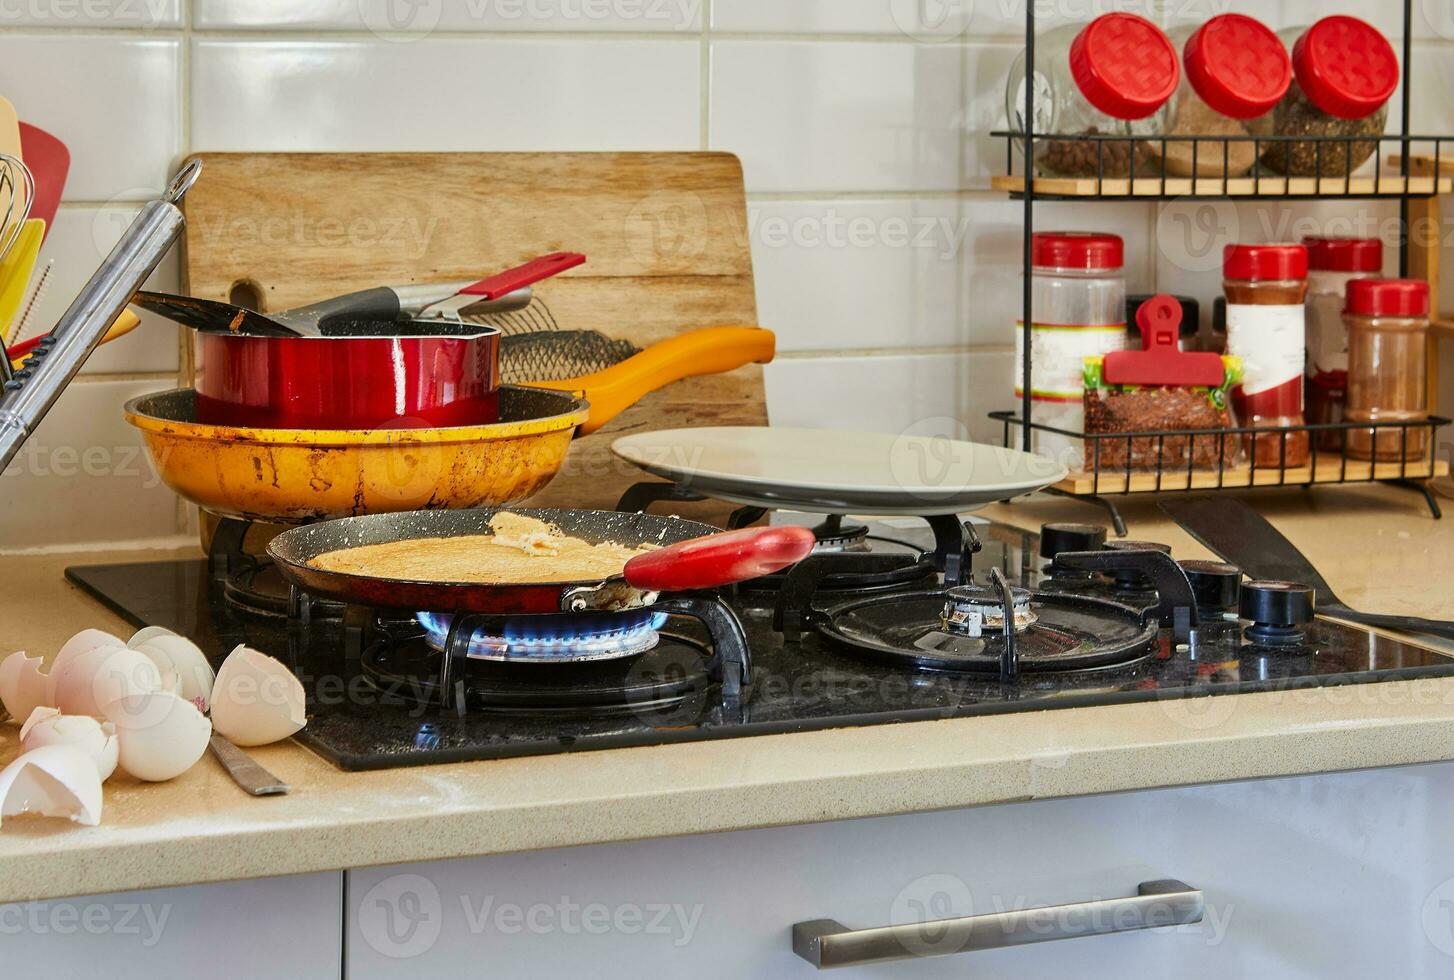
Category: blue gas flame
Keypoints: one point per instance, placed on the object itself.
(563, 637)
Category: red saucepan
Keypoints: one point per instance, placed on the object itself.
(692, 556)
(351, 362)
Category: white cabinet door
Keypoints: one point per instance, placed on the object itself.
(272, 927)
(1346, 875)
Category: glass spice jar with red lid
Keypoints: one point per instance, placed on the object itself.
(1110, 77)
(1344, 72)
(1333, 263)
(1265, 287)
(1235, 70)
(1388, 330)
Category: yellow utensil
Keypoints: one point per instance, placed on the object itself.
(123, 325)
(15, 271)
(9, 129)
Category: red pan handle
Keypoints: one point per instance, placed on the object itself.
(719, 559)
(493, 287)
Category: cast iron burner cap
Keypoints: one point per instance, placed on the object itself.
(1069, 632)
(667, 682)
(973, 610)
(834, 536)
(1278, 611)
(1055, 538)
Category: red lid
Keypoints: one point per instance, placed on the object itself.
(1254, 262)
(1388, 297)
(1083, 250)
(1237, 66)
(1124, 65)
(1345, 67)
(1160, 361)
(1344, 254)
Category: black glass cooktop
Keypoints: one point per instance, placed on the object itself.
(383, 710)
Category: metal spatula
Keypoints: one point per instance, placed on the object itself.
(1243, 537)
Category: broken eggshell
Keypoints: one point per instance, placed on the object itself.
(161, 734)
(52, 781)
(148, 633)
(96, 739)
(256, 700)
(179, 656)
(22, 684)
(91, 680)
(83, 642)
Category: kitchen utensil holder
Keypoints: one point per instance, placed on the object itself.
(1414, 186)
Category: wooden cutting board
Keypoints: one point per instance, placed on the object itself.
(665, 235)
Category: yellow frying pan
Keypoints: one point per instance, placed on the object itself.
(287, 476)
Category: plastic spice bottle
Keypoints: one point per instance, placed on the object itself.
(1078, 305)
(1332, 264)
(1110, 77)
(1344, 72)
(1388, 331)
(1234, 71)
(1265, 287)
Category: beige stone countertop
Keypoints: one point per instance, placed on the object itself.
(1377, 547)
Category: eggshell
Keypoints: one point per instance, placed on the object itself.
(52, 781)
(148, 633)
(101, 675)
(22, 684)
(179, 655)
(83, 642)
(47, 726)
(162, 735)
(256, 699)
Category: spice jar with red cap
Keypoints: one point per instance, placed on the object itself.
(1344, 72)
(1234, 71)
(1332, 264)
(1388, 332)
(1265, 287)
(1078, 310)
(1110, 77)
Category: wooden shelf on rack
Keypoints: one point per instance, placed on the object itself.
(1390, 185)
(1443, 326)
(1329, 468)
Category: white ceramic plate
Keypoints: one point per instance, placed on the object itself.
(838, 472)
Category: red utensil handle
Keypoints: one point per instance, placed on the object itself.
(493, 287)
(719, 559)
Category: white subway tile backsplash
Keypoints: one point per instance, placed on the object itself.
(128, 14)
(859, 116)
(78, 241)
(442, 94)
(926, 394)
(942, 20)
(115, 100)
(389, 18)
(84, 476)
(844, 275)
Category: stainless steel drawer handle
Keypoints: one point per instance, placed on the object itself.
(827, 944)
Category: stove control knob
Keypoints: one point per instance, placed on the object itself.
(1055, 538)
(1277, 610)
(1216, 584)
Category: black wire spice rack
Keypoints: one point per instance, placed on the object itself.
(1420, 163)
(1164, 460)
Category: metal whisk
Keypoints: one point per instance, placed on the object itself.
(533, 347)
(17, 193)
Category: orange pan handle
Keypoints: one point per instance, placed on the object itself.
(124, 323)
(710, 350)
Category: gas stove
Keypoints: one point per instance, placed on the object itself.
(863, 632)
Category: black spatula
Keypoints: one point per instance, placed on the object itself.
(1243, 537)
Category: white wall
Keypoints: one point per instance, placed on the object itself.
(887, 267)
